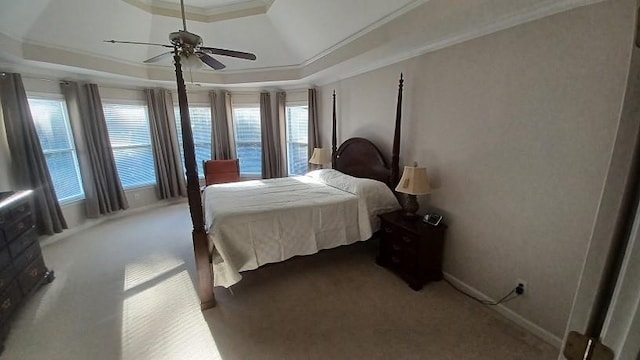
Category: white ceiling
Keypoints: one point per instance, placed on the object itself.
(296, 41)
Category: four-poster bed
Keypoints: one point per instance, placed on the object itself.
(356, 157)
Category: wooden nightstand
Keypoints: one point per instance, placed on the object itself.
(412, 248)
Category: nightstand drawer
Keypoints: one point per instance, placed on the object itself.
(411, 248)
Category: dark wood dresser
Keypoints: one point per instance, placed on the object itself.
(22, 269)
(412, 248)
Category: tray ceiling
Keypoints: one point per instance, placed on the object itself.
(296, 41)
(204, 10)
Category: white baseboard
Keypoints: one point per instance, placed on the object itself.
(48, 240)
(509, 314)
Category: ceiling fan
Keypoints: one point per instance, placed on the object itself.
(188, 45)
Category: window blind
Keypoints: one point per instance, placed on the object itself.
(246, 123)
(128, 127)
(297, 119)
(54, 131)
(200, 117)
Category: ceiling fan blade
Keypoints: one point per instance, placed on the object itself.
(158, 57)
(215, 64)
(136, 43)
(231, 53)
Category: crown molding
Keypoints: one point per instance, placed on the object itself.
(347, 59)
(539, 11)
(205, 15)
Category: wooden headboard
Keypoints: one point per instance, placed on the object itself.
(359, 157)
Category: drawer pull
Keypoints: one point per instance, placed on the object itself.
(34, 272)
(6, 304)
(22, 208)
(395, 247)
(407, 239)
(395, 260)
(20, 226)
(387, 229)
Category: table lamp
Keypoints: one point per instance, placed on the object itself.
(414, 182)
(320, 156)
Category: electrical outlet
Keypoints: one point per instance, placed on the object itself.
(523, 285)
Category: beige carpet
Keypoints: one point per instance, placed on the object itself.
(124, 290)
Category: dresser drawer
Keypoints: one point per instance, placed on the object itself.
(31, 275)
(28, 256)
(5, 216)
(9, 300)
(25, 240)
(21, 210)
(6, 276)
(5, 257)
(17, 227)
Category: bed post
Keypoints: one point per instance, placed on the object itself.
(334, 140)
(395, 156)
(200, 242)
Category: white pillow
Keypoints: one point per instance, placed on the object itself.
(374, 197)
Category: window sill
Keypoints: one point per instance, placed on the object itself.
(139, 187)
(70, 202)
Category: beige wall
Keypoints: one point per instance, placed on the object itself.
(516, 130)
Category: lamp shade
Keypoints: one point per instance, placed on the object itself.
(320, 156)
(414, 181)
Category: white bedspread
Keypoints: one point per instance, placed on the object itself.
(253, 223)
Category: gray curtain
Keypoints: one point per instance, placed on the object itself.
(166, 150)
(29, 163)
(103, 189)
(281, 104)
(221, 149)
(271, 165)
(314, 134)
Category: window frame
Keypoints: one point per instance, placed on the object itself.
(129, 102)
(178, 120)
(73, 149)
(244, 105)
(288, 105)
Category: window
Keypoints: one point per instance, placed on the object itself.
(128, 127)
(202, 136)
(246, 123)
(52, 125)
(297, 139)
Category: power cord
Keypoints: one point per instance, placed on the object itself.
(517, 291)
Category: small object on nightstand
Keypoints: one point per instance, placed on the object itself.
(413, 249)
(432, 219)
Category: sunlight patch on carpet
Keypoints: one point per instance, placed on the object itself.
(148, 269)
(165, 322)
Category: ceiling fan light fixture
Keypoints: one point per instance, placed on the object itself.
(191, 61)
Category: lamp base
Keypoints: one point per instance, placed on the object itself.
(410, 207)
